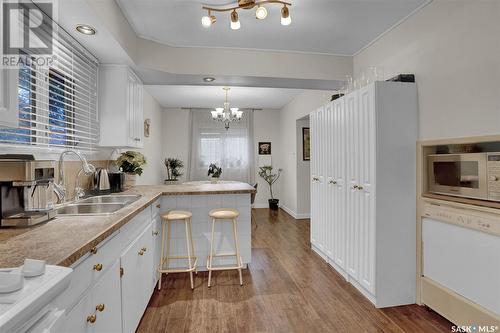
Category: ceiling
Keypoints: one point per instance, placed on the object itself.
(213, 96)
(340, 27)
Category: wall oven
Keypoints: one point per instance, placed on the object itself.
(470, 175)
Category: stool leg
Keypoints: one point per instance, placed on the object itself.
(162, 252)
(238, 256)
(211, 254)
(169, 236)
(192, 243)
(189, 248)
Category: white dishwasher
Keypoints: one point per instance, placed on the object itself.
(464, 260)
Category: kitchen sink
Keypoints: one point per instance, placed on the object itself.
(112, 198)
(98, 205)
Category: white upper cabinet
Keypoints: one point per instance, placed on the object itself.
(121, 105)
(9, 113)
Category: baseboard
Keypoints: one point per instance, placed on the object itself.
(260, 205)
(294, 214)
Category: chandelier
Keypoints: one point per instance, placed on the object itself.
(260, 12)
(226, 114)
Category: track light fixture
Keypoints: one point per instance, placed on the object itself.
(260, 13)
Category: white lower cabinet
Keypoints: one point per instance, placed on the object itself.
(112, 284)
(136, 287)
(100, 309)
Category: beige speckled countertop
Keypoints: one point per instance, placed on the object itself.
(65, 239)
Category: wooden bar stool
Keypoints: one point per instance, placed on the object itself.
(167, 220)
(224, 214)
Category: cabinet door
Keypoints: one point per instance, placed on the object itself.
(352, 207)
(136, 263)
(9, 113)
(366, 202)
(107, 294)
(157, 248)
(321, 176)
(328, 182)
(131, 114)
(338, 153)
(138, 114)
(314, 175)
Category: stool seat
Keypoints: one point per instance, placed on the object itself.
(224, 213)
(176, 215)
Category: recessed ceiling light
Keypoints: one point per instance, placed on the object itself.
(85, 29)
(208, 79)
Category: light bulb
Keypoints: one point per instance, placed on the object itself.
(261, 13)
(234, 111)
(235, 21)
(239, 114)
(285, 16)
(208, 20)
(219, 110)
(214, 114)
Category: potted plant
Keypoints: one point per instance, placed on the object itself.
(214, 171)
(266, 172)
(131, 163)
(174, 169)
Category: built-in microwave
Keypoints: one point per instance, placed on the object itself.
(470, 175)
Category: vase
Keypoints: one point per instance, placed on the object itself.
(130, 180)
(214, 180)
(273, 204)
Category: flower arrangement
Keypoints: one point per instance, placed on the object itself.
(174, 168)
(214, 171)
(131, 162)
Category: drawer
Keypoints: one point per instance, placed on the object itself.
(133, 228)
(92, 267)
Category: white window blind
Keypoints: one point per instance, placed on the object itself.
(57, 103)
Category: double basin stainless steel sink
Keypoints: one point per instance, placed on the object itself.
(99, 205)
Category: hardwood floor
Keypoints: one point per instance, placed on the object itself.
(287, 288)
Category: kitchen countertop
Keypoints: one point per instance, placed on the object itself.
(65, 239)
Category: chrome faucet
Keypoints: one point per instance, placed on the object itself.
(60, 186)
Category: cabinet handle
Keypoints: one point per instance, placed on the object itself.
(144, 249)
(100, 307)
(98, 267)
(158, 206)
(91, 319)
(155, 233)
(137, 139)
(355, 187)
(141, 252)
(333, 182)
(360, 188)
(93, 250)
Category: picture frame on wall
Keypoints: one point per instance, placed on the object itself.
(264, 148)
(306, 144)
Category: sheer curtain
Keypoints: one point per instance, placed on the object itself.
(231, 149)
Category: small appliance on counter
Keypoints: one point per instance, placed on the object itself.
(100, 182)
(116, 180)
(26, 188)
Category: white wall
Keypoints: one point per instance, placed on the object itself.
(176, 137)
(299, 107)
(303, 175)
(266, 124)
(453, 47)
(153, 170)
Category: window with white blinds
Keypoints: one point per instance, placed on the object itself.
(57, 105)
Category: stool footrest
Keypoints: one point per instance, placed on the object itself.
(224, 254)
(224, 268)
(179, 270)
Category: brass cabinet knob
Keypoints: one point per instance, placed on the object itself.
(158, 206)
(91, 319)
(144, 249)
(355, 187)
(141, 252)
(98, 267)
(360, 188)
(100, 307)
(333, 182)
(93, 250)
(155, 233)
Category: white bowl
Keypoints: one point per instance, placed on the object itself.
(11, 281)
(33, 267)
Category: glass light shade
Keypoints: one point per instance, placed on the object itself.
(286, 20)
(219, 110)
(234, 111)
(261, 13)
(235, 25)
(239, 114)
(214, 114)
(206, 21)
